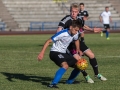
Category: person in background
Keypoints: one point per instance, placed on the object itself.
(105, 18)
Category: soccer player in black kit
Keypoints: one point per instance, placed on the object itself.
(64, 23)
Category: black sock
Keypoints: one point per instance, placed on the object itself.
(84, 72)
(94, 64)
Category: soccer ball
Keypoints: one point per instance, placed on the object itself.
(82, 64)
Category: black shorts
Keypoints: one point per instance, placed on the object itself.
(72, 48)
(83, 46)
(58, 58)
(106, 26)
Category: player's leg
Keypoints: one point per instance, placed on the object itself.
(73, 75)
(71, 62)
(107, 32)
(83, 48)
(94, 64)
(58, 59)
(75, 71)
(103, 31)
(92, 60)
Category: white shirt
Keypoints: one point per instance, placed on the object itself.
(62, 40)
(106, 17)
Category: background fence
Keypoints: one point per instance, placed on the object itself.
(2, 26)
(42, 26)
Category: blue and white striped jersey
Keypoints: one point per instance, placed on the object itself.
(62, 40)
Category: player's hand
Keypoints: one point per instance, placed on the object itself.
(79, 52)
(40, 56)
(97, 30)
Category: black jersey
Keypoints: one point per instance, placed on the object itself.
(83, 13)
(67, 20)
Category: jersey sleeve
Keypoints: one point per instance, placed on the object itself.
(76, 36)
(57, 36)
(64, 23)
(101, 14)
(61, 23)
(87, 14)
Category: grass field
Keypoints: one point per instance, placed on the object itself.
(20, 70)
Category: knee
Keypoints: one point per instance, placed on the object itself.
(91, 56)
(65, 65)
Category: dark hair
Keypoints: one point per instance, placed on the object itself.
(106, 7)
(81, 4)
(76, 23)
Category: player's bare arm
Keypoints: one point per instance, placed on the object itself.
(77, 44)
(100, 19)
(92, 29)
(41, 54)
(110, 19)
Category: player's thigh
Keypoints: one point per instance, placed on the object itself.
(89, 53)
(77, 56)
(83, 47)
(57, 57)
(70, 60)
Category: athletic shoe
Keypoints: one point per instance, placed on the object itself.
(99, 76)
(101, 34)
(108, 38)
(88, 79)
(52, 86)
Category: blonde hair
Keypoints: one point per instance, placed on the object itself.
(74, 5)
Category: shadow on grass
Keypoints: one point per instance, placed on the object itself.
(11, 76)
(43, 80)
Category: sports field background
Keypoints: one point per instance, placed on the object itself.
(20, 70)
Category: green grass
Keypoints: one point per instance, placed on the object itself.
(20, 70)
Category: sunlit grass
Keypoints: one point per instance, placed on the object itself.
(20, 70)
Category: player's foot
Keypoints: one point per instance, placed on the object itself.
(99, 76)
(88, 79)
(52, 86)
(108, 38)
(101, 34)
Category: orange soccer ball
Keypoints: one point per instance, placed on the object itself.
(82, 64)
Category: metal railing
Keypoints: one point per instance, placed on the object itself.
(2, 26)
(115, 25)
(42, 26)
